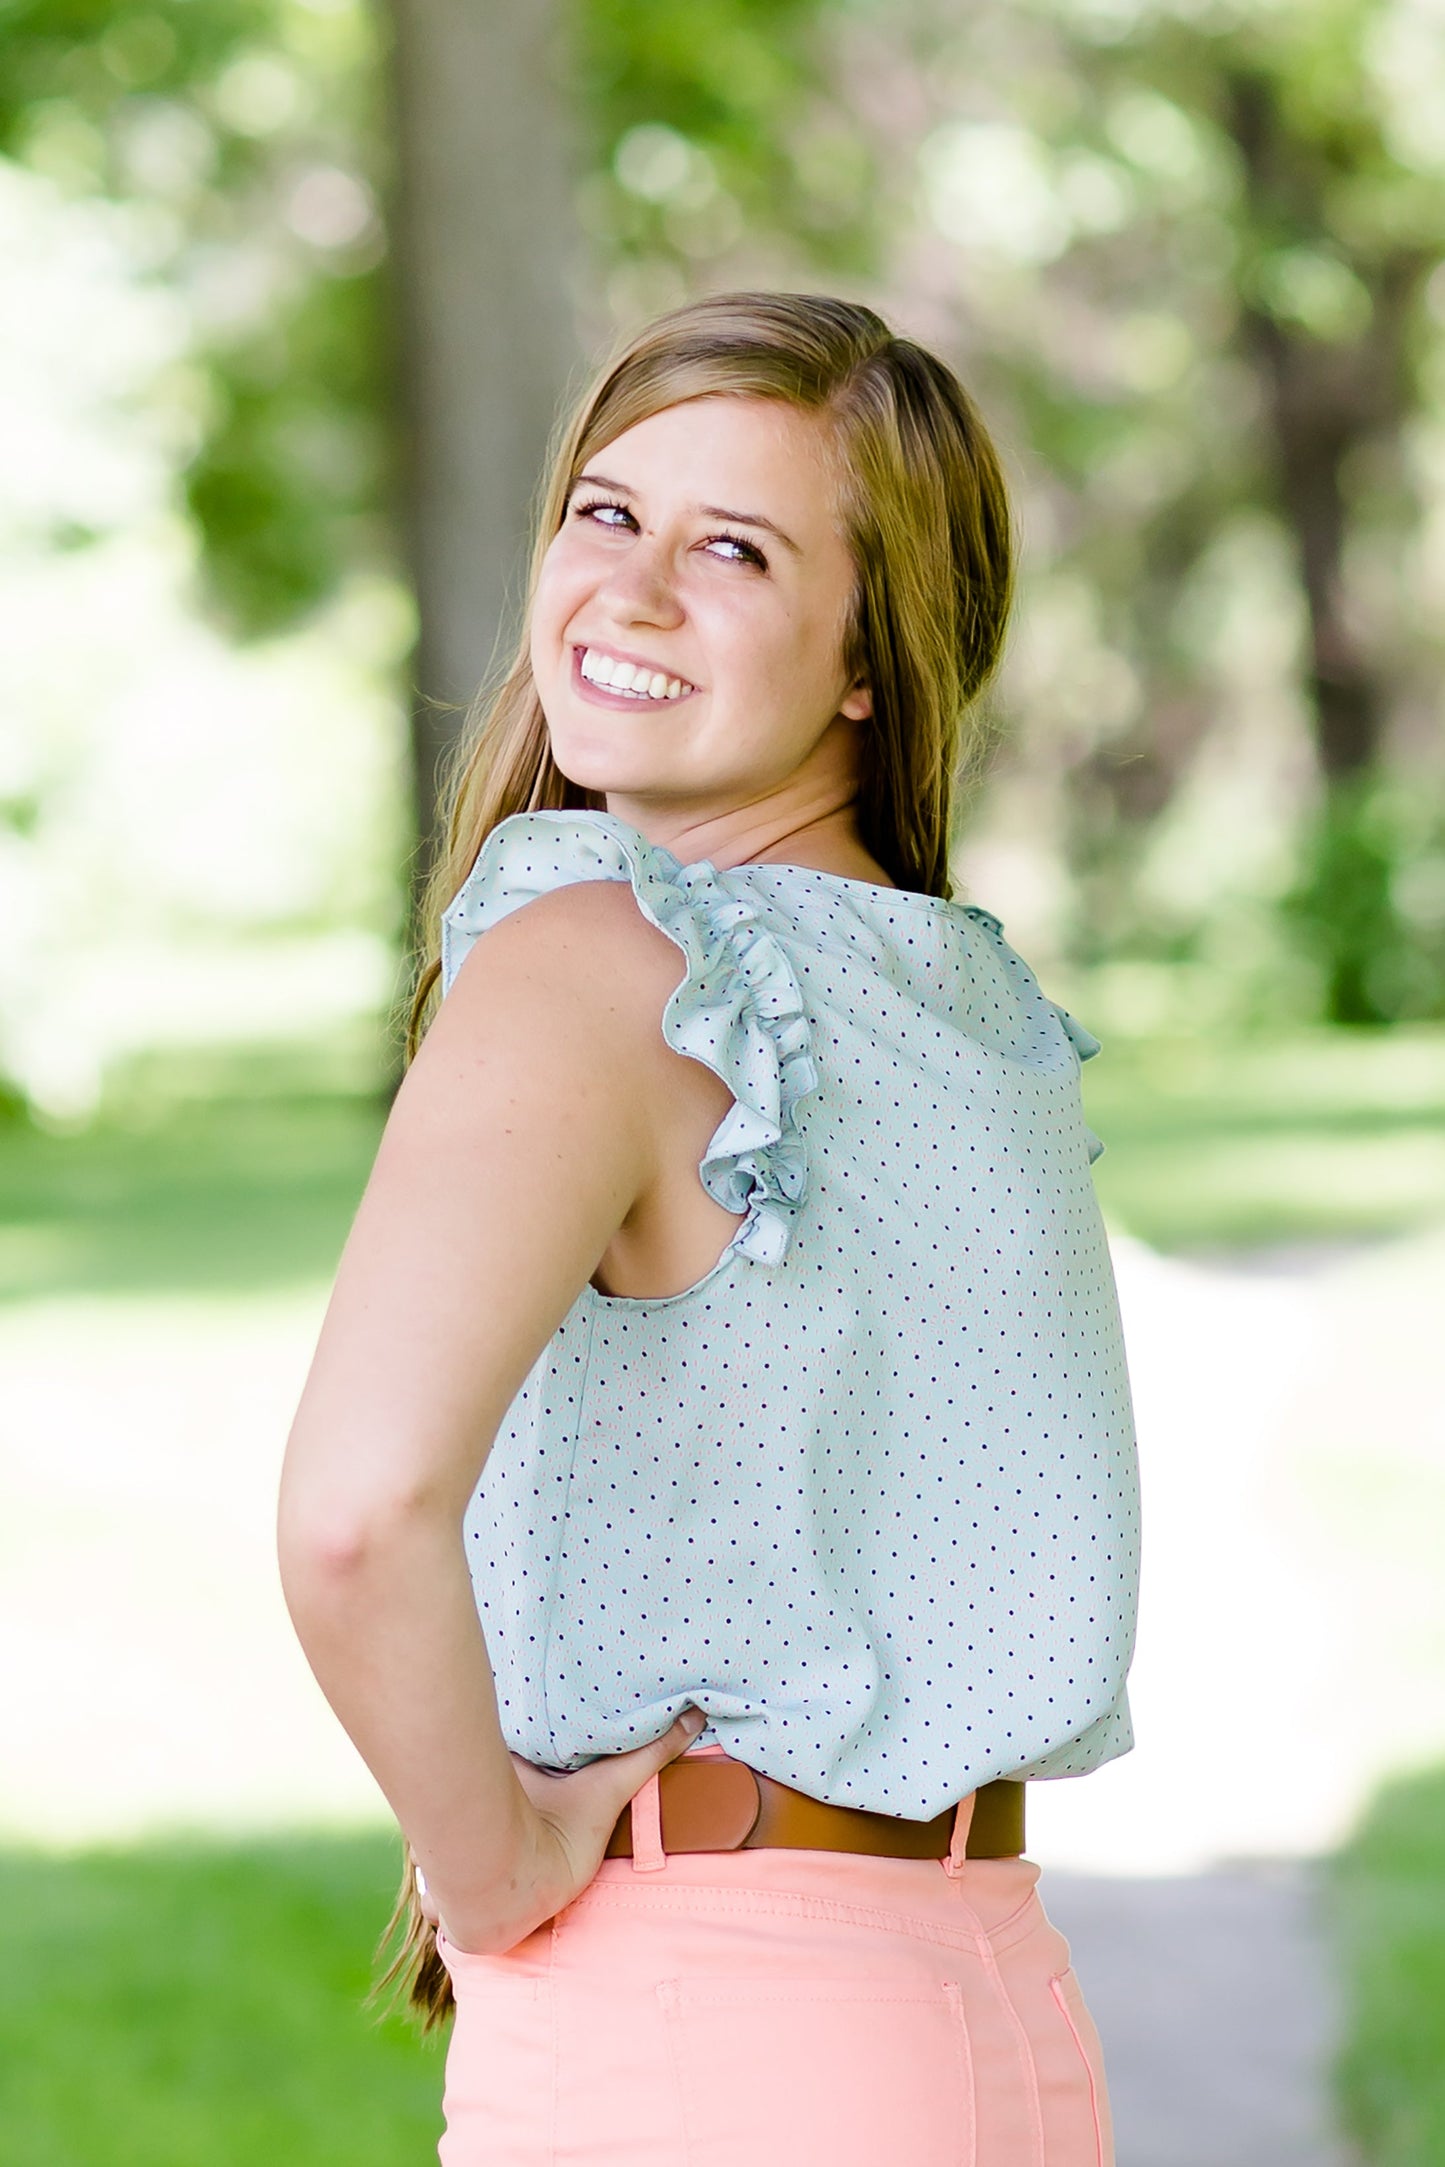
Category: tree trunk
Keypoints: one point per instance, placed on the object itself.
(1325, 399)
(485, 259)
(1312, 441)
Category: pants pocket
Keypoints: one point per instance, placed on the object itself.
(1069, 1999)
(501, 2060)
(838, 2072)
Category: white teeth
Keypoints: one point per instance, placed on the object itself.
(638, 682)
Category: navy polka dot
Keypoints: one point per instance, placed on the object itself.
(866, 1493)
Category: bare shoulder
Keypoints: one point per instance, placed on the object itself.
(575, 980)
(589, 940)
(548, 1052)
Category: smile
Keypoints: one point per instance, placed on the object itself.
(629, 680)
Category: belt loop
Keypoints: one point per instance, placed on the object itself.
(958, 1849)
(648, 1856)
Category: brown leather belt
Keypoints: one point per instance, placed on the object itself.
(711, 1803)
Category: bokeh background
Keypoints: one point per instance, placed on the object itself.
(291, 290)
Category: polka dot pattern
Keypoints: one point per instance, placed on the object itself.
(867, 1492)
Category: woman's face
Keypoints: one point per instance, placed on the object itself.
(687, 631)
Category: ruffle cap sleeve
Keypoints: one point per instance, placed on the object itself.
(1082, 1040)
(739, 1009)
(1085, 1046)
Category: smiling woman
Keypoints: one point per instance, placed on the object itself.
(642, 591)
(713, 1496)
(893, 449)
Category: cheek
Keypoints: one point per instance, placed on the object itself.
(553, 604)
(757, 638)
(790, 659)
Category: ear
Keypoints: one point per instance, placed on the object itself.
(857, 703)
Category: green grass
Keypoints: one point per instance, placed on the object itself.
(1309, 1135)
(202, 2002)
(1388, 1897)
(227, 1195)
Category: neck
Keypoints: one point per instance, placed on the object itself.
(811, 818)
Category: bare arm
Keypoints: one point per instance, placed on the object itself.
(520, 1141)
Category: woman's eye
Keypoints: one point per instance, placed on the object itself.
(740, 551)
(600, 510)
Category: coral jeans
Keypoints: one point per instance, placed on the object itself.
(779, 2008)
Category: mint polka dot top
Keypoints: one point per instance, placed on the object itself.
(866, 1492)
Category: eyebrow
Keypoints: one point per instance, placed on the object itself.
(708, 511)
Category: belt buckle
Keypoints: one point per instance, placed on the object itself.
(708, 1805)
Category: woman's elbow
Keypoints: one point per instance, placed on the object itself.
(323, 1550)
(329, 1544)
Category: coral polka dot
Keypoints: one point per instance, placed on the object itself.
(866, 1493)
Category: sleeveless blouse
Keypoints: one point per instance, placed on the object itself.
(866, 1493)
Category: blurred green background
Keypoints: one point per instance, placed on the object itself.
(274, 272)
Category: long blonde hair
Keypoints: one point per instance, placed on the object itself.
(928, 526)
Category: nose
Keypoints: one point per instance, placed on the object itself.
(640, 587)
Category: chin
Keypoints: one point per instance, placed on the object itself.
(592, 759)
(598, 769)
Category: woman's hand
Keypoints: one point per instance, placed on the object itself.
(567, 1829)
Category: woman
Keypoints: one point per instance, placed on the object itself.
(731, 1273)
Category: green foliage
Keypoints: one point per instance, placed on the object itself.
(704, 126)
(1369, 903)
(192, 2000)
(290, 483)
(1389, 1901)
(248, 133)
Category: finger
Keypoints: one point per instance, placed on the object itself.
(692, 1722)
(675, 1740)
(608, 1785)
(615, 1778)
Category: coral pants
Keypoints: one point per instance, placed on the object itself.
(779, 2008)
